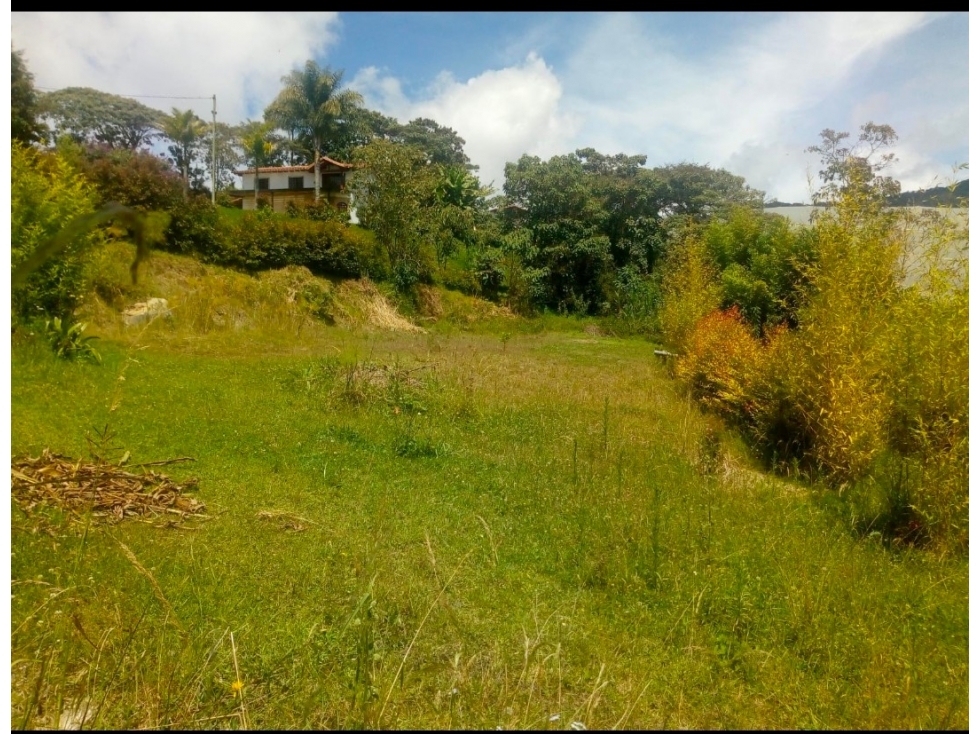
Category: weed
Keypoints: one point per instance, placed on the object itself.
(68, 340)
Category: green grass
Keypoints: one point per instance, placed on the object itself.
(494, 532)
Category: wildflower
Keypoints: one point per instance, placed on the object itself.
(236, 688)
(555, 717)
(578, 725)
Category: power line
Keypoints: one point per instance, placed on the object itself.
(144, 96)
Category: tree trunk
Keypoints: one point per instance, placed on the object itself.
(258, 162)
(186, 176)
(316, 169)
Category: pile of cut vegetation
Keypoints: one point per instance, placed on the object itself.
(360, 303)
(106, 490)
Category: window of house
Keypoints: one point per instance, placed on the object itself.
(295, 183)
(333, 181)
(263, 184)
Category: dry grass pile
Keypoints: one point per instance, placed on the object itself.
(360, 303)
(108, 491)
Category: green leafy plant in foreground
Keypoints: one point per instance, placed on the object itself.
(68, 340)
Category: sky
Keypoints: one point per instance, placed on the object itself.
(748, 92)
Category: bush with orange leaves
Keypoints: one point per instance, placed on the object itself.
(721, 362)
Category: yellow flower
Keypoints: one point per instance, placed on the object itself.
(236, 687)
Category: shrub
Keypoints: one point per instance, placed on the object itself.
(134, 178)
(68, 341)
(321, 211)
(872, 388)
(762, 261)
(866, 384)
(720, 362)
(260, 241)
(149, 184)
(46, 194)
(195, 227)
(637, 297)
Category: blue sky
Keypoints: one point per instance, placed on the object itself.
(744, 91)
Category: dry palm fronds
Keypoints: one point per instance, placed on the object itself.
(108, 491)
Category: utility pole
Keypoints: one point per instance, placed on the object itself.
(214, 149)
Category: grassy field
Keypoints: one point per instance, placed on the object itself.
(451, 528)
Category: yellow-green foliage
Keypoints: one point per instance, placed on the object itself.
(842, 335)
(926, 363)
(885, 375)
(46, 193)
(690, 292)
(871, 389)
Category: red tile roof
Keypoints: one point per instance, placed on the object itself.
(293, 169)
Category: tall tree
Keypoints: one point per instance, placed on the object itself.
(855, 169)
(229, 157)
(313, 105)
(24, 125)
(393, 190)
(88, 115)
(359, 127)
(441, 145)
(699, 190)
(184, 129)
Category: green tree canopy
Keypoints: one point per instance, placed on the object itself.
(88, 115)
(393, 192)
(359, 126)
(596, 223)
(24, 125)
(260, 145)
(699, 190)
(441, 145)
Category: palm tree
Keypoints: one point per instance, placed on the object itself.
(184, 129)
(257, 142)
(311, 104)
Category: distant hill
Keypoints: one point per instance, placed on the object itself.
(937, 196)
(775, 202)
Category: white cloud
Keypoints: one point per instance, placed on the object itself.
(501, 113)
(241, 57)
(767, 93)
(381, 91)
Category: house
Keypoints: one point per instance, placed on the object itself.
(279, 185)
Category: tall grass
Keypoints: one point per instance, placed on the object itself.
(519, 538)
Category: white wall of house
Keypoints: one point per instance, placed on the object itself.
(276, 180)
